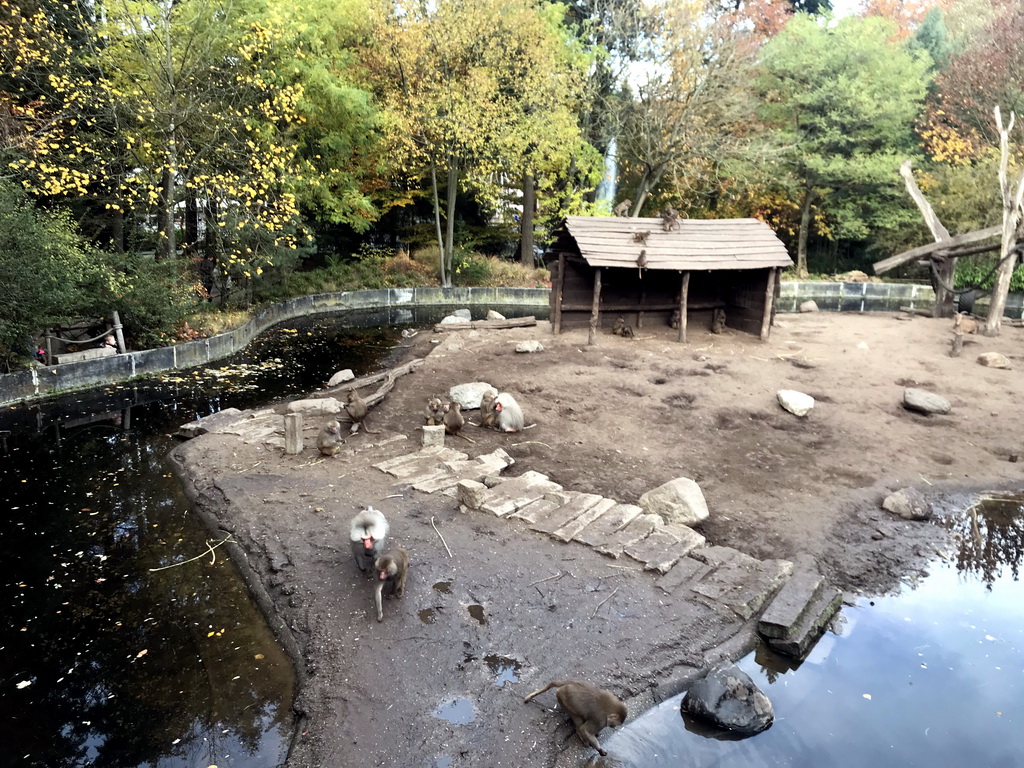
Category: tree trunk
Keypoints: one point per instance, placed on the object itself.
(526, 222)
(805, 225)
(167, 246)
(117, 229)
(453, 187)
(1012, 198)
(191, 244)
(437, 223)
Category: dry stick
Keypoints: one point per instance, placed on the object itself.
(440, 537)
(394, 496)
(531, 442)
(209, 549)
(549, 578)
(248, 468)
(603, 602)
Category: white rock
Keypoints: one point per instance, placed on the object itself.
(993, 360)
(433, 437)
(678, 501)
(341, 377)
(315, 406)
(529, 346)
(449, 319)
(808, 306)
(468, 395)
(795, 402)
(923, 401)
(908, 503)
(492, 315)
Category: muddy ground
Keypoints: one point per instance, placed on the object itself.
(616, 419)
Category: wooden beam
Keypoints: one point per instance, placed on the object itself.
(559, 284)
(621, 308)
(769, 301)
(595, 309)
(684, 289)
(926, 250)
(515, 322)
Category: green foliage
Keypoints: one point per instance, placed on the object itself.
(49, 275)
(155, 299)
(471, 269)
(980, 271)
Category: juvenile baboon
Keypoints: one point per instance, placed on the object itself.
(367, 533)
(509, 416)
(627, 332)
(673, 321)
(641, 237)
(641, 262)
(965, 323)
(618, 325)
(328, 442)
(357, 410)
(488, 416)
(453, 418)
(435, 412)
(591, 708)
(717, 320)
(669, 218)
(392, 569)
(622, 209)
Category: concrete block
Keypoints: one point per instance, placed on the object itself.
(433, 437)
(790, 604)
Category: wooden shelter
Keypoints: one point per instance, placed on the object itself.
(646, 269)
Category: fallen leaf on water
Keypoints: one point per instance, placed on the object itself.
(867, 696)
(24, 684)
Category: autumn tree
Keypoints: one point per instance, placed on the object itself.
(689, 100)
(477, 90)
(843, 99)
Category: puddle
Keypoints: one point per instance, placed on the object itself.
(444, 587)
(506, 669)
(443, 762)
(477, 612)
(426, 615)
(931, 676)
(457, 712)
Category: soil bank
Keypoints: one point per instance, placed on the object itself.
(617, 419)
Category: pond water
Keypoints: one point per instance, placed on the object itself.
(127, 640)
(933, 676)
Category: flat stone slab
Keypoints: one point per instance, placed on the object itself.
(683, 574)
(466, 469)
(516, 492)
(639, 528)
(806, 633)
(576, 505)
(613, 520)
(570, 529)
(208, 423)
(535, 509)
(664, 547)
(419, 462)
(744, 586)
(789, 606)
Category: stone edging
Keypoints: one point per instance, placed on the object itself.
(45, 381)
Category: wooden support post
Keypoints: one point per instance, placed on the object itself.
(769, 303)
(559, 284)
(118, 334)
(684, 289)
(595, 309)
(293, 433)
(958, 336)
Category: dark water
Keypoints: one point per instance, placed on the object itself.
(933, 676)
(108, 657)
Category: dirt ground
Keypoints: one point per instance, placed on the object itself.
(617, 419)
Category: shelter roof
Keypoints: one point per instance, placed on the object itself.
(693, 244)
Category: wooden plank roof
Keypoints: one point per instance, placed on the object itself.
(693, 244)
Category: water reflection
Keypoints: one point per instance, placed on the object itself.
(929, 677)
(110, 657)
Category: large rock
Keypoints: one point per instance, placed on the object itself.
(993, 360)
(808, 306)
(678, 501)
(728, 698)
(795, 402)
(468, 395)
(458, 316)
(316, 406)
(908, 503)
(340, 378)
(210, 423)
(923, 401)
(492, 315)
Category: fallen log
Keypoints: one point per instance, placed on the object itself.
(365, 381)
(516, 322)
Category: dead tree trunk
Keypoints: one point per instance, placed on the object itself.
(1012, 198)
(945, 266)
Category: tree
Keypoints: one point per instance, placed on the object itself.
(1013, 212)
(843, 98)
(689, 100)
(477, 90)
